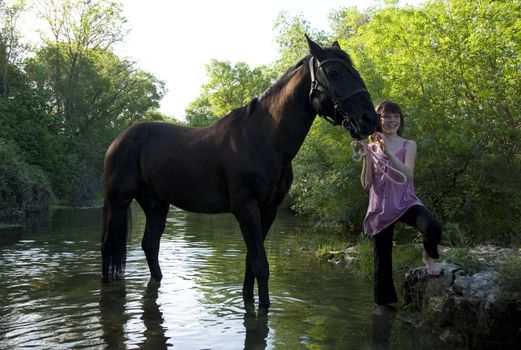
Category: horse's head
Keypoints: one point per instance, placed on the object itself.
(338, 93)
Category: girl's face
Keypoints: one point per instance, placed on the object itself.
(390, 122)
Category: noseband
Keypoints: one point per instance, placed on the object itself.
(327, 88)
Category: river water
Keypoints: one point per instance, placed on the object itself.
(51, 296)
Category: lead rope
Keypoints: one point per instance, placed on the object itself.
(381, 165)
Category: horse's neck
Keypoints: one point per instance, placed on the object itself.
(291, 112)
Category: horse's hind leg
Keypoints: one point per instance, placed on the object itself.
(267, 218)
(156, 211)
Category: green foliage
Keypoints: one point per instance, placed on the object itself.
(510, 276)
(200, 113)
(61, 108)
(454, 68)
(83, 24)
(462, 257)
(366, 257)
(326, 180)
(405, 258)
(22, 187)
(290, 33)
(11, 46)
(98, 90)
(229, 87)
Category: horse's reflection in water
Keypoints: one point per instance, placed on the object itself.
(114, 317)
(153, 319)
(256, 325)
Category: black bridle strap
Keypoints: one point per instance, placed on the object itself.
(327, 88)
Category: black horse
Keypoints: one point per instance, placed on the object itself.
(241, 164)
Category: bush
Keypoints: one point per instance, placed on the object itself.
(23, 187)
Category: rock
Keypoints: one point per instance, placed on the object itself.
(336, 257)
(351, 255)
(420, 288)
(465, 309)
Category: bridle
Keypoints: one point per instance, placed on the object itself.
(327, 88)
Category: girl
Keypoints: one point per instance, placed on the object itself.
(392, 199)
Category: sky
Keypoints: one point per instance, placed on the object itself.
(174, 40)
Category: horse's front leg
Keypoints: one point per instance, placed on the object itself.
(256, 262)
(155, 211)
(150, 245)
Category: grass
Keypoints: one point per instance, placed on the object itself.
(463, 258)
(510, 277)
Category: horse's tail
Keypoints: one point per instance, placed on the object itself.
(115, 230)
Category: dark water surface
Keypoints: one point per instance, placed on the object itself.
(51, 296)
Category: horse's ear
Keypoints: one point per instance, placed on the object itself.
(337, 45)
(314, 48)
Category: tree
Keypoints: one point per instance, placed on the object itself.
(11, 48)
(291, 41)
(91, 93)
(78, 29)
(229, 86)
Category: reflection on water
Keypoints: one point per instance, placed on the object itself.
(256, 326)
(382, 326)
(51, 295)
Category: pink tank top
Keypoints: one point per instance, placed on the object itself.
(388, 201)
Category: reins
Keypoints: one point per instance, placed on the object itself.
(381, 165)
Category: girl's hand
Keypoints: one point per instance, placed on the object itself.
(365, 146)
(380, 138)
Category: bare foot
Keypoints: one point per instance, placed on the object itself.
(433, 269)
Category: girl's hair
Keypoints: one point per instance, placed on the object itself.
(390, 108)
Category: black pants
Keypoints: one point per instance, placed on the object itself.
(417, 216)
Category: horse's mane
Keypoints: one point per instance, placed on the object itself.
(245, 111)
(277, 86)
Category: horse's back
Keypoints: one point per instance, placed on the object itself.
(175, 162)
